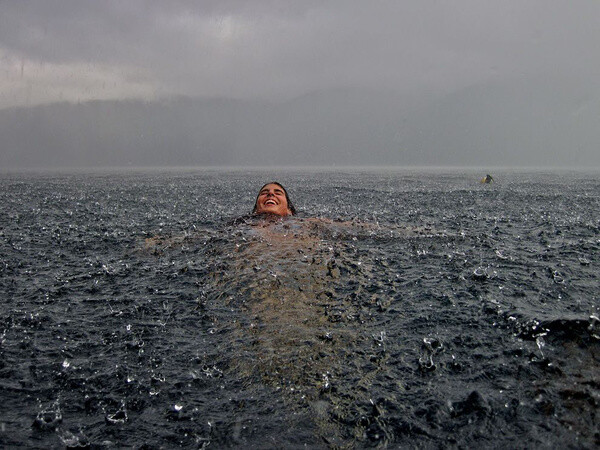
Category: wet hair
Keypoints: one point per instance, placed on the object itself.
(287, 197)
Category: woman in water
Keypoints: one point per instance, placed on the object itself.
(273, 199)
(291, 300)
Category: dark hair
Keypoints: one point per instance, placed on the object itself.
(287, 197)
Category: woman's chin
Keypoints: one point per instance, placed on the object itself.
(272, 212)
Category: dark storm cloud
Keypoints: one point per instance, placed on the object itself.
(146, 32)
(274, 48)
(259, 82)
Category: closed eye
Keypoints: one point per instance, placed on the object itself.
(276, 192)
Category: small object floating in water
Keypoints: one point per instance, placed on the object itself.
(487, 179)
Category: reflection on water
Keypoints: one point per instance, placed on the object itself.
(289, 276)
(301, 286)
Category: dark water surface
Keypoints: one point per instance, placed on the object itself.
(433, 312)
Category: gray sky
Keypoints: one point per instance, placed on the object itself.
(77, 50)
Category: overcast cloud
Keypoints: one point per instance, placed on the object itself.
(79, 50)
(299, 83)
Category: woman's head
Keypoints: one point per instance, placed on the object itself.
(273, 199)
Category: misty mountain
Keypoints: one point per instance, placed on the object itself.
(523, 123)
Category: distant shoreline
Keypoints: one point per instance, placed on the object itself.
(291, 169)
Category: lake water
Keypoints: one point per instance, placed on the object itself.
(420, 309)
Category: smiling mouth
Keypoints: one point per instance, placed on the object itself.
(270, 202)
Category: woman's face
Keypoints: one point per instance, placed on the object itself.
(271, 199)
